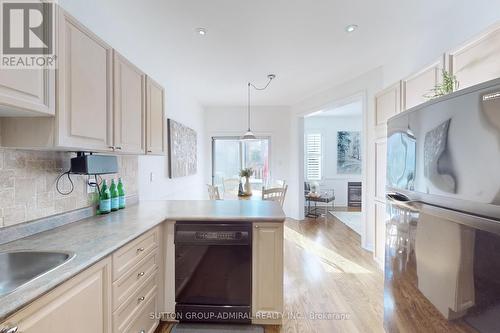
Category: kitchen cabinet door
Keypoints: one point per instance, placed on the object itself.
(84, 117)
(477, 60)
(155, 119)
(380, 230)
(267, 273)
(81, 305)
(419, 85)
(129, 106)
(380, 168)
(387, 104)
(27, 92)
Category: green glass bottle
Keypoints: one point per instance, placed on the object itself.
(104, 199)
(121, 194)
(114, 196)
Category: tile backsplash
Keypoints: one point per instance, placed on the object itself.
(28, 190)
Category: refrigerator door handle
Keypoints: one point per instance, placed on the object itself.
(397, 197)
(403, 201)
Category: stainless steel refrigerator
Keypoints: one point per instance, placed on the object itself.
(442, 260)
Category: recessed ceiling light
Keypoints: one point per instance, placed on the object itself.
(201, 31)
(351, 27)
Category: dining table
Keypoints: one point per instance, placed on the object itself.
(233, 195)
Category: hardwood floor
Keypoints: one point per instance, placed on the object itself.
(331, 284)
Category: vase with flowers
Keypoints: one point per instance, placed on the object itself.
(247, 173)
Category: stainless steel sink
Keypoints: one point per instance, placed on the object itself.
(20, 267)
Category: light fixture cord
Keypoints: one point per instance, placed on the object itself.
(256, 88)
(248, 109)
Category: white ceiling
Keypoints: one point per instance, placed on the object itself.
(302, 41)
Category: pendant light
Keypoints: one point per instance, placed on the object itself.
(249, 134)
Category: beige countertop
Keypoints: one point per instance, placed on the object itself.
(94, 238)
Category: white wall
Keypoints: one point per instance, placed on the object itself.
(179, 104)
(188, 112)
(272, 121)
(468, 19)
(364, 86)
(328, 127)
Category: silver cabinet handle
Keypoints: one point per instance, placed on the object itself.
(140, 249)
(140, 299)
(140, 274)
(111, 147)
(12, 329)
(118, 148)
(150, 151)
(142, 331)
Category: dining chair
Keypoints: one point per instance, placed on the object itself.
(230, 184)
(275, 194)
(213, 192)
(276, 183)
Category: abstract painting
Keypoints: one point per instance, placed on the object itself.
(182, 150)
(348, 152)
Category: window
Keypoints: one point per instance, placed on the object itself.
(230, 155)
(313, 156)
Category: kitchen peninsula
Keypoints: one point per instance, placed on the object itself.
(120, 267)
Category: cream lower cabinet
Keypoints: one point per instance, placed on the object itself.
(155, 119)
(80, 305)
(137, 284)
(379, 199)
(267, 273)
(380, 232)
(119, 294)
(388, 103)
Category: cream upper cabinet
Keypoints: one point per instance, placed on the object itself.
(478, 60)
(387, 104)
(81, 305)
(84, 117)
(27, 92)
(418, 85)
(155, 119)
(267, 272)
(101, 101)
(129, 106)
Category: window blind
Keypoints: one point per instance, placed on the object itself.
(313, 156)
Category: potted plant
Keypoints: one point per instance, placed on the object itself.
(449, 84)
(247, 173)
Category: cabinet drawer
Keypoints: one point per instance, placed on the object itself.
(131, 280)
(129, 255)
(143, 323)
(135, 303)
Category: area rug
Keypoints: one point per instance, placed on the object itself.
(216, 328)
(350, 219)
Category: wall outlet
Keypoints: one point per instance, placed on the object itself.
(91, 185)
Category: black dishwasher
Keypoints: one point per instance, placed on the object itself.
(213, 271)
